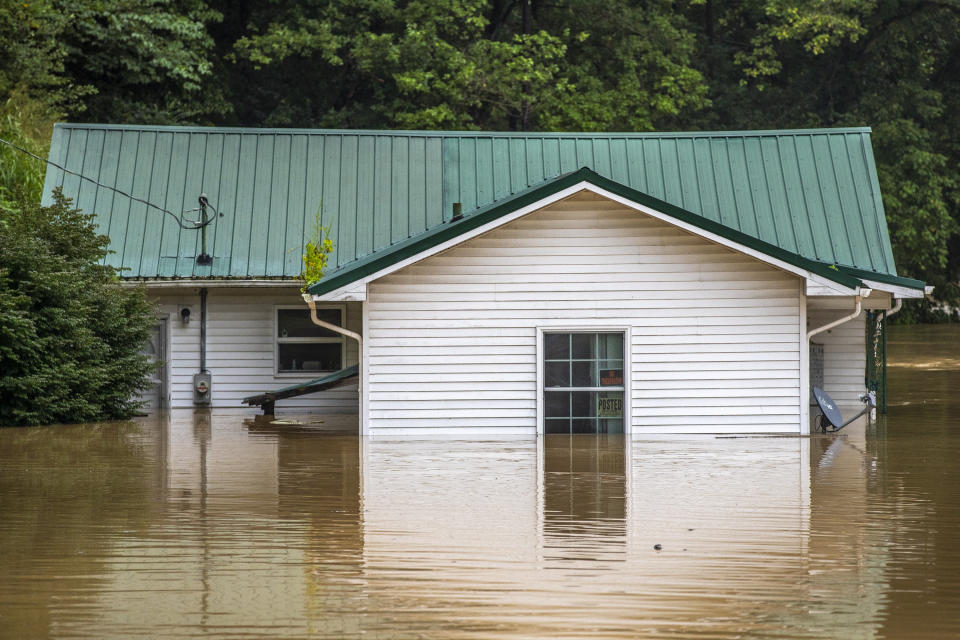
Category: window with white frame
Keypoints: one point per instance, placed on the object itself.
(302, 346)
(583, 382)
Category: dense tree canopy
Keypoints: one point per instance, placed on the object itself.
(520, 65)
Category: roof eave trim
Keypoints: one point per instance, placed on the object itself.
(894, 290)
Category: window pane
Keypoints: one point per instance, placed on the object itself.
(609, 426)
(581, 404)
(610, 346)
(583, 375)
(583, 344)
(556, 346)
(306, 356)
(583, 425)
(557, 404)
(556, 426)
(556, 374)
(296, 323)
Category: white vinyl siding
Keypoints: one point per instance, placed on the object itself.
(844, 350)
(715, 337)
(241, 326)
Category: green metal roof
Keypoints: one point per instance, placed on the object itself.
(813, 193)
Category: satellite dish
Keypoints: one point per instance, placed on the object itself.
(828, 407)
(831, 414)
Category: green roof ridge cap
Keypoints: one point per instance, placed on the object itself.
(430, 133)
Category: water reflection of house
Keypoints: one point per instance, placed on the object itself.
(504, 283)
(288, 533)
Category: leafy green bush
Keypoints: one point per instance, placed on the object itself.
(70, 334)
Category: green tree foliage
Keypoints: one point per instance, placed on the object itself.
(70, 336)
(147, 61)
(463, 64)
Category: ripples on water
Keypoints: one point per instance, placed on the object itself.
(227, 527)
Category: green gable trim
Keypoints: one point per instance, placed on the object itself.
(414, 246)
(900, 281)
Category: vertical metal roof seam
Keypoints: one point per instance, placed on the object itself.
(862, 220)
(356, 201)
(286, 214)
(133, 182)
(253, 199)
(821, 182)
(476, 181)
(143, 236)
(62, 175)
(696, 178)
(843, 217)
(213, 244)
(880, 224)
(766, 179)
(268, 214)
(197, 246)
(236, 206)
(543, 160)
(339, 166)
(683, 197)
(183, 207)
(786, 197)
(753, 204)
(116, 175)
(166, 204)
(806, 204)
(426, 183)
(96, 190)
(303, 211)
(716, 182)
(733, 186)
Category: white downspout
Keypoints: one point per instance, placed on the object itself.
(895, 308)
(332, 327)
(346, 332)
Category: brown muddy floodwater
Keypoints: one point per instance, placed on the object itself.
(221, 527)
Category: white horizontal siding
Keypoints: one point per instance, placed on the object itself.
(714, 335)
(844, 350)
(240, 348)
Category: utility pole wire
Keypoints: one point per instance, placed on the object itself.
(196, 225)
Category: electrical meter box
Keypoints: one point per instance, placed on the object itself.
(201, 388)
(816, 369)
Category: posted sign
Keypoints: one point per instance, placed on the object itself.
(609, 407)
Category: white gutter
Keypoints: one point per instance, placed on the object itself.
(864, 293)
(186, 283)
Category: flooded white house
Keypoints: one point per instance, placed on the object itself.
(501, 283)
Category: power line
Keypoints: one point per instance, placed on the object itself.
(195, 224)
